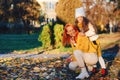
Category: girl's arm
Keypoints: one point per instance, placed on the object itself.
(91, 33)
(91, 30)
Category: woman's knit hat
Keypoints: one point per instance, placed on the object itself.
(79, 12)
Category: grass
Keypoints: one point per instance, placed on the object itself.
(109, 40)
(60, 50)
(25, 42)
(106, 41)
(13, 42)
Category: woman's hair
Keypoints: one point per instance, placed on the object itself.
(66, 37)
(85, 24)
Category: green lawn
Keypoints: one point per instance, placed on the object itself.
(29, 43)
(9, 43)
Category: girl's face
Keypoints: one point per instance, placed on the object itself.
(71, 31)
(80, 19)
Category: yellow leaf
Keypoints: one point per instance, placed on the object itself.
(24, 69)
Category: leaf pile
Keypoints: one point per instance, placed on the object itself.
(43, 69)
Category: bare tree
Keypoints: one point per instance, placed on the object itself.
(100, 11)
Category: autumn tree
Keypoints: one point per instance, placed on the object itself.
(100, 12)
(5, 11)
(118, 5)
(20, 13)
(22, 9)
(65, 10)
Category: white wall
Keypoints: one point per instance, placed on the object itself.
(48, 7)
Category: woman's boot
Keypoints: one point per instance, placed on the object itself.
(83, 74)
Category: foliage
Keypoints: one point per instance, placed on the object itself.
(118, 5)
(11, 10)
(45, 37)
(19, 16)
(101, 13)
(65, 10)
(58, 31)
(51, 36)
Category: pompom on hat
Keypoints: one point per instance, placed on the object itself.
(79, 12)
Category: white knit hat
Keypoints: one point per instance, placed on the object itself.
(79, 12)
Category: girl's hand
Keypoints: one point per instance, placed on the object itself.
(72, 41)
(82, 34)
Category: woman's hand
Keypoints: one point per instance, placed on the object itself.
(69, 59)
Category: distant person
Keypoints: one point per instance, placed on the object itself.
(111, 26)
(107, 27)
(114, 26)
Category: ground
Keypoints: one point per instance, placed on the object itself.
(30, 67)
(52, 66)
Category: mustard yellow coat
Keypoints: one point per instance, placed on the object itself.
(85, 45)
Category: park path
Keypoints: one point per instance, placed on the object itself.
(33, 55)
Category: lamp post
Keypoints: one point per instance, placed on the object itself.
(11, 12)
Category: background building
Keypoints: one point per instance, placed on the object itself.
(48, 8)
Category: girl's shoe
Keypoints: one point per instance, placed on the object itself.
(103, 72)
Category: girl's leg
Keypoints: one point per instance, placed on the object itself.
(102, 64)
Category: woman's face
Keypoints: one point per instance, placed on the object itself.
(71, 31)
(80, 19)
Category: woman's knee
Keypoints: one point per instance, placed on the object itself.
(90, 59)
(77, 52)
(73, 65)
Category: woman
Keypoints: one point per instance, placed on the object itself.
(85, 52)
(88, 29)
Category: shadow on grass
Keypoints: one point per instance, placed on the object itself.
(10, 43)
(110, 54)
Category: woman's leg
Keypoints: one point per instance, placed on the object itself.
(92, 69)
(91, 59)
(73, 65)
(80, 60)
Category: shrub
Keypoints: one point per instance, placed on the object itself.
(58, 31)
(45, 37)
